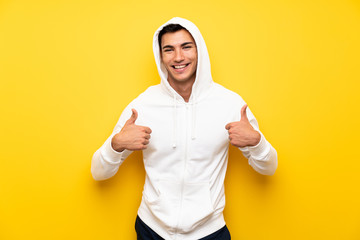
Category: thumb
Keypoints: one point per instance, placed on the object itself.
(243, 113)
(133, 117)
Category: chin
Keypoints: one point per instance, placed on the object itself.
(181, 80)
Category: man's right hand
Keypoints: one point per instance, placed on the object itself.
(131, 137)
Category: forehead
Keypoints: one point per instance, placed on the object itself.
(176, 38)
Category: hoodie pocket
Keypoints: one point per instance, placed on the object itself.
(197, 206)
(177, 206)
(163, 200)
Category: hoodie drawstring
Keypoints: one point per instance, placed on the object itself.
(193, 135)
(175, 121)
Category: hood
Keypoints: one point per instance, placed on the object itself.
(203, 78)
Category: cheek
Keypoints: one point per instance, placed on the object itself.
(166, 58)
(193, 56)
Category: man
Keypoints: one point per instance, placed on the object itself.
(184, 126)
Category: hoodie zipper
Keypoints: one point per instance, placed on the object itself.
(184, 168)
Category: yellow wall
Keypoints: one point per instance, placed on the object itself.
(69, 68)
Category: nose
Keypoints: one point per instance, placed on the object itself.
(179, 56)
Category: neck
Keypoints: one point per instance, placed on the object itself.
(182, 88)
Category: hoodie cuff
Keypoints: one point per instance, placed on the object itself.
(259, 151)
(110, 155)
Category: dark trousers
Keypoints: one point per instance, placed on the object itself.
(145, 233)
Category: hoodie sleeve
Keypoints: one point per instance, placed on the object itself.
(262, 157)
(106, 161)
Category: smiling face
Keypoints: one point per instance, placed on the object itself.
(179, 56)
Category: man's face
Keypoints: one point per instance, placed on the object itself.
(179, 56)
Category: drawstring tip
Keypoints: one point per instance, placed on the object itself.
(174, 145)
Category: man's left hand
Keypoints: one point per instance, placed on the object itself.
(241, 133)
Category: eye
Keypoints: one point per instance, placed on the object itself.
(168, 50)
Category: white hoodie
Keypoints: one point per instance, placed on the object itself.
(186, 158)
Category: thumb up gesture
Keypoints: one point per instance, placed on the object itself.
(131, 137)
(241, 133)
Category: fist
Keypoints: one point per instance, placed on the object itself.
(241, 133)
(131, 137)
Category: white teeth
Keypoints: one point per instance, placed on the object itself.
(181, 66)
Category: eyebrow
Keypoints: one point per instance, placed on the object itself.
(170, 46)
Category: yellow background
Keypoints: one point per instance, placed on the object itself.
(69, 68)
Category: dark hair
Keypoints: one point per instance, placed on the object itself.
(170, 28)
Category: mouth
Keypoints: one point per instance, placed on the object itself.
(180, 68)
